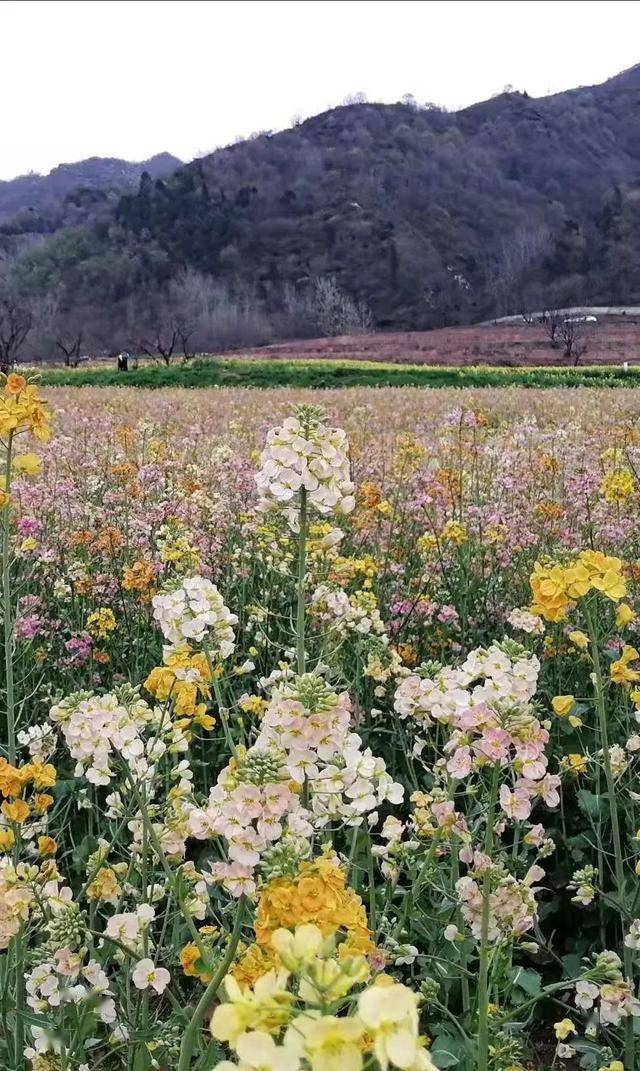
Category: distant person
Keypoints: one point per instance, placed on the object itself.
(123, 361)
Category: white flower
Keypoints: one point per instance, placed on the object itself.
(304, 453)
(146, 974)
(196, 611)
(632, 940)
(526, 621)
(390, 1014)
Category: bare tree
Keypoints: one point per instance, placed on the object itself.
(519, 253)
(161, 339)
(16, 320)
(186, 331)
(70, 343)
(574, 338)
(552, 322)
(69, 331)
(336, 313)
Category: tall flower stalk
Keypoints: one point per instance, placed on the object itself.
(619, 869)
(483, 969)
(302, 566)
(7, 611)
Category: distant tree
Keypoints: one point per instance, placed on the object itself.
(336, 313)
(16, 320)
(69, 342)
(519, 252)
(552, 322)
(160, 339)
(573, 335)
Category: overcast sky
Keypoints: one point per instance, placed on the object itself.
(128, 78)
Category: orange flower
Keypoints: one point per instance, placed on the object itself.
(47, 846)
(42, 774)
(17, 812)
(12, 780)
(15, 385)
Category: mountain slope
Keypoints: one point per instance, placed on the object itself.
(430, 218)
(418, 212)
(35, 193)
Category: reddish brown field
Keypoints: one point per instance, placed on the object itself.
(610, 342)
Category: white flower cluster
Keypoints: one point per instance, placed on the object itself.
(617, 1000)
(525, 621)
(502, 673)
(333, 607)
(310, 725)
(66, 981)
(196, 611)
(304, 737)
(97, 726)
(305, 453)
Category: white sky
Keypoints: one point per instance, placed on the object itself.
(127, 78)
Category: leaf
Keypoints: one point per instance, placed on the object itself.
(571, 963)
(529, 981)
(590, 804)
(447, 1050)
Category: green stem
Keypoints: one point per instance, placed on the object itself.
(191, 1033)
(302, 567)
(629, 1044)
(7, 612)
(483, 970)
(7, 616)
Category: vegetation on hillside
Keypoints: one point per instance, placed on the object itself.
(399, 216)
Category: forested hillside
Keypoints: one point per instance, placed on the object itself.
(391, 216)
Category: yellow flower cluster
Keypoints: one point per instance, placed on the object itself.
(101, 623)
(347, 570)
(15, 900)
(185, 679)
(621, 672)
(384, 1023)
(105, 886)
(13, 782)
(410, 455)
(617, 486)
(556, 588)
(193, 965)
(140, 577)
(454, 533)
(22, 409)
(318, 894)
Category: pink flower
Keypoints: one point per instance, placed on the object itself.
(515, 804)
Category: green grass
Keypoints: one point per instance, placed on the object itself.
(251, 372)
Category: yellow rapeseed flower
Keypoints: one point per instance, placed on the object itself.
(624, 615)
(563, 705)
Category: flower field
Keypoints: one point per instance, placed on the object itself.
(319, 732)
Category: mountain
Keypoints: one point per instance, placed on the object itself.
(424, 217)
(35, 193)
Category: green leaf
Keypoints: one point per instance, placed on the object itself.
(447, 1050)
(529, 981)
(590, 804)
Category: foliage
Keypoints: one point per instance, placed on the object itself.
(423, 217)
(318, 373)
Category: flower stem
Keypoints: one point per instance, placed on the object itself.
(7, 614)
(302, 566)
(629, 1044)
(483, 969)
(191, 1033)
